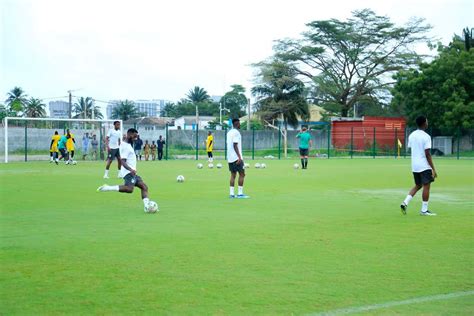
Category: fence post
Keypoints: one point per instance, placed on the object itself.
(459, 140)
(373, 145)
(405, 143)
(26, 141)
(253, 143)
(396, 142)
(329, 138)
(166, 141)
(352, 141)
(197, 142)
(279, 141)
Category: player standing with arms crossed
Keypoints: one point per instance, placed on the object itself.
(234, 158)
(112, 144)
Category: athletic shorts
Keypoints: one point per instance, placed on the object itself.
(138, 152)
(53, 149)
(63, 152)
(130, 180)
(113, 153)
(234, 167)
(304, 151)
(209, 154)
(424, 177)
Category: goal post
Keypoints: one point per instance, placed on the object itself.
(32, 136)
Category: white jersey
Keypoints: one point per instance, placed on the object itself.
(127, 152)
(114, 137)
(233, 136)
(418, 141)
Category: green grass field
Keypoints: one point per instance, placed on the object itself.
(308, 241)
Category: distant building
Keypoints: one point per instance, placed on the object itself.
(149, 108)
(189, 122)
(59, 109)
(148, 123)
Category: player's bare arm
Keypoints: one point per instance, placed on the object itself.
(126, 166)
(430, 162)
(236, 148)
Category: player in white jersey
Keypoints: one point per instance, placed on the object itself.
(129, 170)
(112, 144)
(234, 158)
(422, 166)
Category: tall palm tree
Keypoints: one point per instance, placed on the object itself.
(34, 108)
(85, 107)
(196, 96)
(280, 96)
(125, 110)
(16, 99)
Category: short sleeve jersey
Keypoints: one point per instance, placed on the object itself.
(127, 152)
(62, 142)
(70, 142)
(209, 143)
(304, 137)
(233, 136)
(418, 141)
(114, 137)
(55, 140)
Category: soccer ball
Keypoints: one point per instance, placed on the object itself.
(180, 178)
(211, 165)
(219, 165)
(263, 166)
(296, 166)
(199, 165)
(74, 162)
(257, 165)
(152, 207)
(246, 166)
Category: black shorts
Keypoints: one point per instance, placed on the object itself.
(304, 151)
(424, 177)
(63, 152)
(209, 154)
(113, 153)
(234, 167)
(132, 180)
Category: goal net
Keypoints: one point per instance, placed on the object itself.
(28, 139)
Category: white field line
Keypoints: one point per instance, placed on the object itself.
(351, 310)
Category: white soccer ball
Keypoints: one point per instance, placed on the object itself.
(180, 178)
(246, 166)
(152, 207)
(219, 165)
(199, 165)
(263, 166)
(74, 162)
(257, 165)
(211, 165)
(296, 166)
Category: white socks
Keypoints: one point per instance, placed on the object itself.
(145, 201)
(232, 191)
(241, 190)
(424, 206)
(110, 188)
(408, 199)
(106, 174)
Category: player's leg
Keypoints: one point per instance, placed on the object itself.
(241, 171)
(144, 191)
(232, 181)
(411, 194)
(306, 160)
(302, 157)
(427, 178)
(51, 156)
(210, 156)
(119, 161)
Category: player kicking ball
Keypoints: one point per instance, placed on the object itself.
(422, 166)
(129, 173)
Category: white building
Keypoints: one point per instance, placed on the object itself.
(59, 109)
(189, 122)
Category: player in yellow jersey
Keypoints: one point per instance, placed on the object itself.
(209, 146)
(53, 147)
(70, 145)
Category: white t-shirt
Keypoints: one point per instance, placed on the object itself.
(127, 152)
(233, 136)
(418, 141)
(114, 137)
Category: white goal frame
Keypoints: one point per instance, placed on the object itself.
(49, 119)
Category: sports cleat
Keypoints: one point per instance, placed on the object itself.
(231, 196)
(106, 176)
(403, 208)
(427, 213)
(243, 196)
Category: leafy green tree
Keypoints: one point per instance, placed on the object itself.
(83, 109)
(347, 61)
(443, 89)
(280, 95)
(169, 110)
(34, 108)
(235, 101)
(16, 99)
(198, 95)
(125, 110)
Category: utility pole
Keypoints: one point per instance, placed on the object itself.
(248, 115)
(70, 103)
(197, 118)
